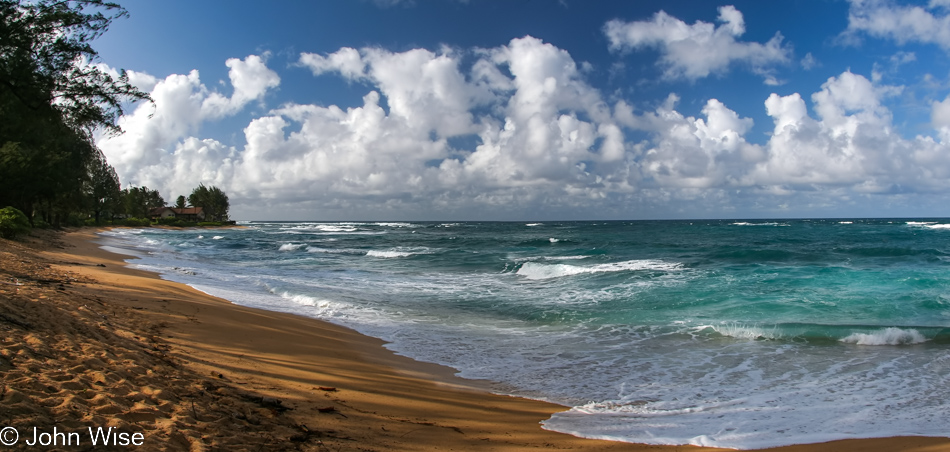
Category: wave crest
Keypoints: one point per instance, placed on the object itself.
(847, 334)
(888, 336)
(745, 223)
(534, 270)
(398, 252)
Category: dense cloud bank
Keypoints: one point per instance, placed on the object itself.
(542, 141)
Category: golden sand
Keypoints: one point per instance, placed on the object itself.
(87, 342)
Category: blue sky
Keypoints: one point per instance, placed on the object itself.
(511, 110)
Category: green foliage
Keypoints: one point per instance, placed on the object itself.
(102, 190)
(212, 200)
(75, 220)
(140, 200)
(52, 100)
(206, 224)
(41, 43)
(175, 222)
(180, 202)
(135, 222)
(13, 223)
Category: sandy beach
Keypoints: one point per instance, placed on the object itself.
(86, 342)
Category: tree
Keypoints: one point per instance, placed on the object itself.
(102, 188)
(52, 100)
(212, 200)
(180, 202)
(46, 61)
(140, 200)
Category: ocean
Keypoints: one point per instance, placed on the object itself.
(738, 334)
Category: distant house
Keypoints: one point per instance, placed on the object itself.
(193, 214)
(161, 212)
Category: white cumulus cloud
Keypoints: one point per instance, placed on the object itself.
(151, 148)
(698, 50)
(902, 23)
(517, 130)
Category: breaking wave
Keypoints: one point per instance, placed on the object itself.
(534, 270)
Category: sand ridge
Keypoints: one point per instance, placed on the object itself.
(86, 342)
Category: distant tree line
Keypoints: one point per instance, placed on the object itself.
(139, 203)
(52, 101)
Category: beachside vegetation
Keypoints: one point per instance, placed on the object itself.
(53, 99)
(13, 223)
(139, 201)
(213, 200)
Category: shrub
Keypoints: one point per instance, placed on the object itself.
(175, 222)
(209, 223)
(138, 222)
(13, 223)
(74, 220)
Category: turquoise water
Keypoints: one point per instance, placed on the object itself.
(734, 334)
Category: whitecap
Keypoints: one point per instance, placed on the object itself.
(928, 224)
(317, 249)
(291, 246)
(334, 228)
(304, 300)
(740, 331)
(553, 240)
(387, 254)
(331, 228)
(888, 336)
(532, 270)
(217, 237)
(534, 224)
(744, 223)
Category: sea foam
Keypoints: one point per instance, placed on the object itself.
(397, 252)
(928, 224)
(745, 223)
(889, 336)
(388, 254)
(534, 270)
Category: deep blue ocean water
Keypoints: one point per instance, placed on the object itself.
(738, 334)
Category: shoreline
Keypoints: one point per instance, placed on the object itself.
(381, 401)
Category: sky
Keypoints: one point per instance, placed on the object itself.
(539, 110)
